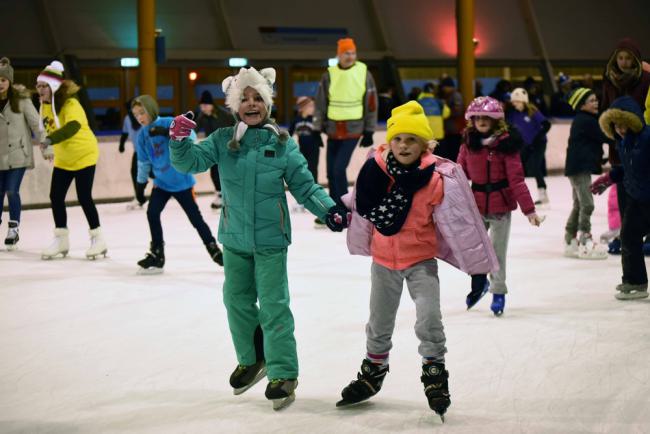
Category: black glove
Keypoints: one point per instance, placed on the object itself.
(159, 131)
(121, 148)
(337, 218)
(139, 193)
(413, 180)
(366, 141)
(318, 138)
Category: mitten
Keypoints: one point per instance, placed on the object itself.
(182, 126)
(415, 179)
(366, 140)
(139, 192)
(337, 218)
(601, 183)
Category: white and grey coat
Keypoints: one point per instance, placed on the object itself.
(16, 129)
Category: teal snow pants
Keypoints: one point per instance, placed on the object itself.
(261, 277)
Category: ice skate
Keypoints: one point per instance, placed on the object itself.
(571, 249)
(368, 383)
(153, 262)
(215, 252)
(134, 205)
(60, 245)
(436, 387)
(11, 242)
(281, 392)
(588, 249)
(629, 291)
(480, 286)
(245, 377)
(498, 304)
(97, 245)
(217, 202)
(614, 247)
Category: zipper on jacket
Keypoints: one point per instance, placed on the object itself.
(487, 192)
(225, 218)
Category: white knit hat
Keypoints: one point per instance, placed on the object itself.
(261, 81)
(53, 76)
(519, 94)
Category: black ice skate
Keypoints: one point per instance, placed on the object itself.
(215, 252)
(367, 384)
(436, 387)
(245, 377)
(153, 262)
(281, 392)
(480, 286)
(11, 242)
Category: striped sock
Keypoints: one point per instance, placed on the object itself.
(378, 359)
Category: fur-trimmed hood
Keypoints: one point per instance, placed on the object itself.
(624, 110)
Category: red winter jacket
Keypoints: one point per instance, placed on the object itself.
(497, 164)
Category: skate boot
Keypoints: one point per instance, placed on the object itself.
(60, 245)
(97, 244)
(367, 384)
(215, 252)
(436, 387)
(630, 291)
(588, 249)
(614, 247)
(498, 304)
(11, 242)
(153, 262)
(245, 377)
(571, 249)
(217, 202)
(134, 205)
(480, 286)
(542, 197)
(282, 392)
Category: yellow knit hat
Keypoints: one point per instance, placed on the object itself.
(408, 118)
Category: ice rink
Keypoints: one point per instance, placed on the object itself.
(91, 347)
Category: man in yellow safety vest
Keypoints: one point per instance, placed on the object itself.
(346, 110)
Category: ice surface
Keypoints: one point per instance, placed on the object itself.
(91, 347)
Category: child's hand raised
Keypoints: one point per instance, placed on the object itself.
(182, 126)
(535, 220)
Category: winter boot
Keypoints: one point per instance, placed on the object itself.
(498, 304)
(97, 244)
(215, 252)
(542, 197)
(218, 201)
(153, 262)
(60, 245)
(588, 249)
(12, 235)
(480, 286)
(282, 392)
(436, 387)
(245, 377)
(367, 384)
(629, 291)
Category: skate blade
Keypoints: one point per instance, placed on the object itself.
(50, 257)
(11, 247)
(149, 271)
(498, 313)
(93, 257)
(344, 403)
(256, 380)
(279, 404)
(442, 417)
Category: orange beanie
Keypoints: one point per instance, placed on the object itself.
(345, 44)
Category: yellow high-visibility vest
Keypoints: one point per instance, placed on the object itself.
(346, 91)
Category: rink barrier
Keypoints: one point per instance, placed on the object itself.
(113, 179)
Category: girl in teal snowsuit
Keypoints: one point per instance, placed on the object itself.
(255, 161)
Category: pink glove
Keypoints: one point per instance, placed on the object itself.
(182, 126)
(601, 183)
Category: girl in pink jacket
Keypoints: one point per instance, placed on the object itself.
(490, 158)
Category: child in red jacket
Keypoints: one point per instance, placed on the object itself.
(489, 155)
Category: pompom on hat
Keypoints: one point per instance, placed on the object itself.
(408, 118)
(6, 70)
(484, 106)
(519, 94)
(345, 44)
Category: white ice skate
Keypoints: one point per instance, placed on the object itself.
(97, 244)
(571, 249)
(11, 242)
(60, 245)
(588, 249)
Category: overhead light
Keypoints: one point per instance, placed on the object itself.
(236, 62)
(332, 61)
(129, 62)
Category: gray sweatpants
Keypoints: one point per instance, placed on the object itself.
(498, 226)
(583, 207)
(385, 293)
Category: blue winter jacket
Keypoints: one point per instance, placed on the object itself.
(633, 149)
(153, 154)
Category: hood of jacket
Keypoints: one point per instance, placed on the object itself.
(625, 111)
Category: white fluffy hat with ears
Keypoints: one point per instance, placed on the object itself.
(261, 81)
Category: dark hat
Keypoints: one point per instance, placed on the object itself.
(206, 98)
(447, 82)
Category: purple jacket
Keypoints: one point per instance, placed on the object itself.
(462, 239)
